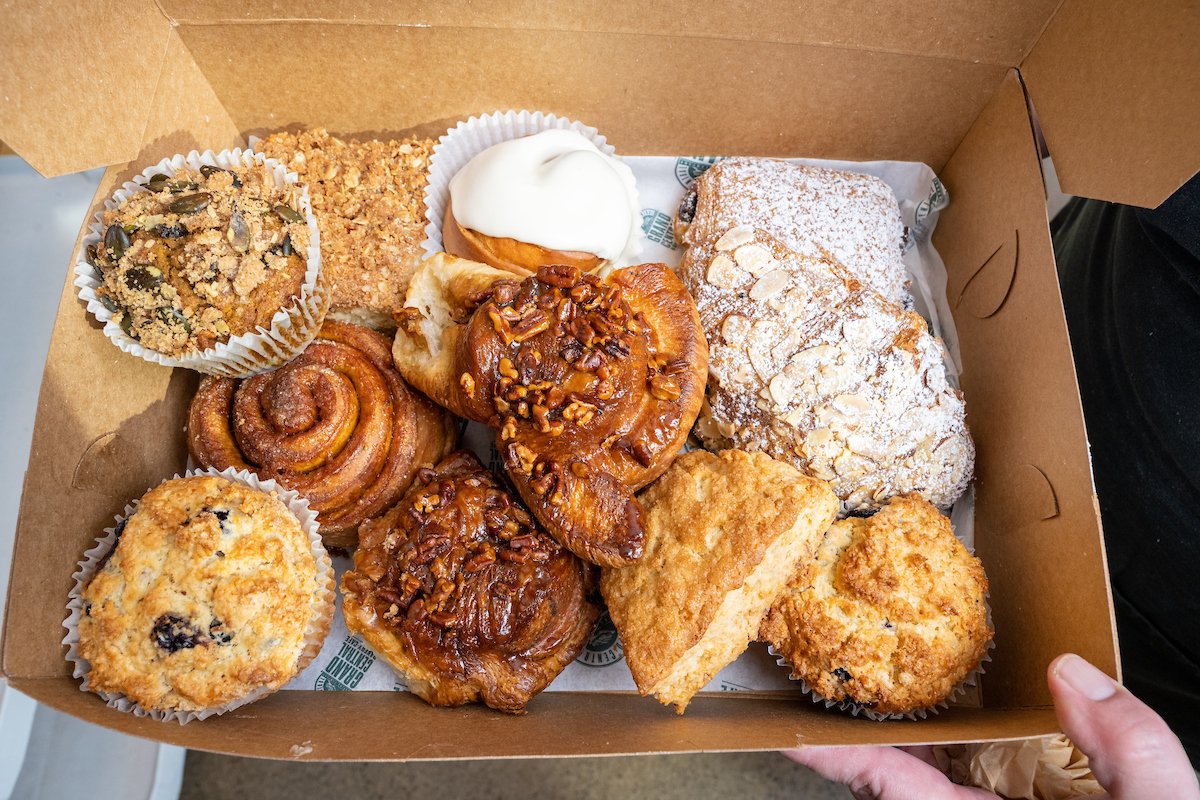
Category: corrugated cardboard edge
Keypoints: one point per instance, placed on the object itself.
(995, 177)
(1116, 87)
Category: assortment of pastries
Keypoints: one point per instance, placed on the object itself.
(784, 342)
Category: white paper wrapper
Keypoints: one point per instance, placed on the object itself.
(292, 327)
(346, 663)
(471, 137)
(323, 600)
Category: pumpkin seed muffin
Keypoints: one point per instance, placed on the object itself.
(211, 594)
(890, 615)
(369, 201)
(201, 257)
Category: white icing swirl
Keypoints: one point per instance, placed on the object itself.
(554, 189)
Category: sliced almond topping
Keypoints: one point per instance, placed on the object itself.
(794, 417)
(818, 438)
(769, 285)
(862, 445)
(781, 389)
(724, 273)
(755, 259)
(734, 329)
(851, 405)
(735, 236)
(823, 472)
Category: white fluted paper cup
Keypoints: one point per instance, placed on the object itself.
(323, 599)
(292, 327)
(472, 136)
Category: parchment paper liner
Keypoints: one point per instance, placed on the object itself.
(323, 600)
(292, 327)
(471, 137)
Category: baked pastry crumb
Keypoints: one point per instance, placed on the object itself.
(206, 597)
(724, 533)
(369, 200)
(891, 614)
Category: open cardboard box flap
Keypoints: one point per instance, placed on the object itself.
(938, 84)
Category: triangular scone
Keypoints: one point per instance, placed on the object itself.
(724, 533)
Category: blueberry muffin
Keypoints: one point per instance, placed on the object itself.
(201, 256)
(211, 596)
(890, 616)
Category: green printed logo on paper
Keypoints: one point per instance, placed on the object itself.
(604, 647)
(937, 200)
(688, 169)
(657, 227)
(347, 668)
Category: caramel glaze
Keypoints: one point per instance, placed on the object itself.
(470, 589)
(592, 386)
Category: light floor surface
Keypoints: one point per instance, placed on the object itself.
(713, 775)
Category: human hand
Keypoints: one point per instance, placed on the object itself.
(1131, 751)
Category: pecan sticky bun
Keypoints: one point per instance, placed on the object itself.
(591, 384)
(464, 595)
(337, 424)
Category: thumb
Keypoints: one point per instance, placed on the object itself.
(1132, 752)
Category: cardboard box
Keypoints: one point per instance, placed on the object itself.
(1117, 87)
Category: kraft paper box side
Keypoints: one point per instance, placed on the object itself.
(1036, 527)
(397, 726)
(965, 30)
(1116, 86)
(78, 83)
(820, 101)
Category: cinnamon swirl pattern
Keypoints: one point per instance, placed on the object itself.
(464, 594)
(337, 424)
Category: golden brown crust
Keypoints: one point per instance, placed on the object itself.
(461, 592)
(369, 201)
(592, 384)
(206, 598)
(891, 614)
(723, 535)
(520, 258)
(337, 424)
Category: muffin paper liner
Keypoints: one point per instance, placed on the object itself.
(857, 709)
(323, 599)
(471, 137)
(292, 327)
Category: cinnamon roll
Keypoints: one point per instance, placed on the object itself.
(337, 424)
(591, 384)
(464, 595)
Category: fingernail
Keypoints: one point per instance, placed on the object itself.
(1085, 679)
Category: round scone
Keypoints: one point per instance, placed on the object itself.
(212, 596)
(812, 367)
(891, 615)
(461, 592)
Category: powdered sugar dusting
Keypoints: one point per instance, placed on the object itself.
(829, 375)
(814, 211)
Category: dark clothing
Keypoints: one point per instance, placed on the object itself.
(1131, 288)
